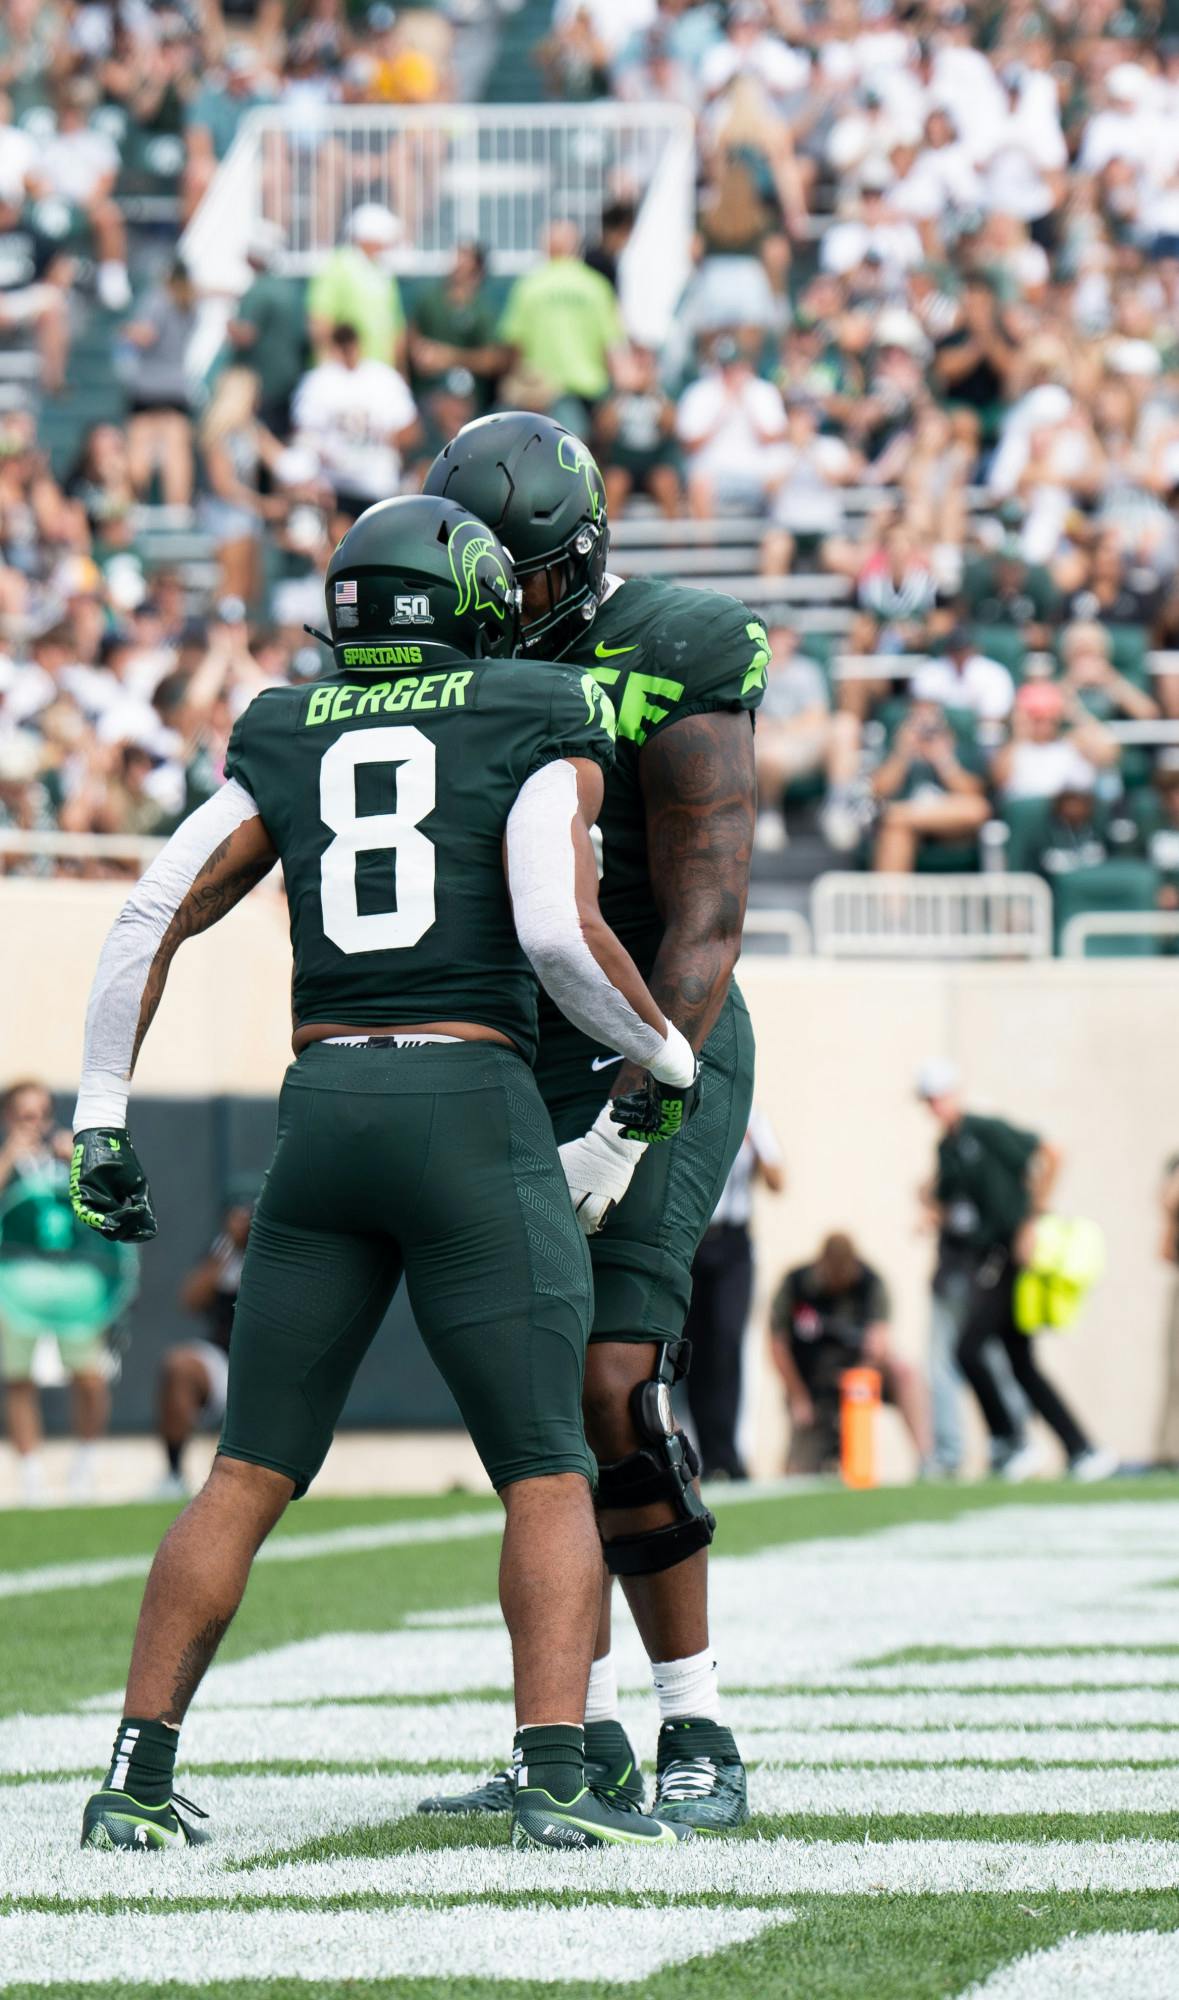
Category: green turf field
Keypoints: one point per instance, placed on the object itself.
(960, 1708)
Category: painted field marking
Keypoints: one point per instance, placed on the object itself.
(1105, 1669)
(953, 1791)
(462, 1941)
(357, 1734)
(742, 1868)
(252, 1817)
(91, 1575)
(1117, 1965)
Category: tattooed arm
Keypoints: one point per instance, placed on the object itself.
(211, 862)
(700, 796)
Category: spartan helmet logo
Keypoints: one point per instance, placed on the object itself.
(572, 456)
(477, 567)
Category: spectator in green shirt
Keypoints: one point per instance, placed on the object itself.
(562, 320)
(1004, 589)
(268, 332)
(355, 287)
(453, 325)
(930, 788)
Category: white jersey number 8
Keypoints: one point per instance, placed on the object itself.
(364, 833)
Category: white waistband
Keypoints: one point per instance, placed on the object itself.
(402, 1041)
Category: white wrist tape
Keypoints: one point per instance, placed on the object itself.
(598, 1169)
(102, 1102)
(677, 1065)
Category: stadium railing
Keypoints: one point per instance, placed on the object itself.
(923, 916)
(1082, 930)
(50, 844)
(452, 173)
(788, 927)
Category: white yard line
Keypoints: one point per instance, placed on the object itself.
(38, 1856)
(198, 1947)
(749, 1868)
(92, 1574)
(952, 1792)
(1104, 1669)
(253, 1816)
(1117, 1965)
(480, 1733)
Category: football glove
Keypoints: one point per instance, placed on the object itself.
(598, 1169)
(657, 1111)
(108, 1187)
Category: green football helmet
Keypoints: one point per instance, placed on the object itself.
(418, 577)
(540, 489)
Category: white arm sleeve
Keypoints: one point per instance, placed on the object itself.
(116, 996)
(542, 880)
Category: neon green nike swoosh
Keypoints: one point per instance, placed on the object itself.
(609, 652)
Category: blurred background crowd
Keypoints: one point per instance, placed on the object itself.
(920, 403)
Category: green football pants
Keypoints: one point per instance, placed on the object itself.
(438, 1162)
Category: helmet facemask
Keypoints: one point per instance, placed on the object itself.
(574, 575)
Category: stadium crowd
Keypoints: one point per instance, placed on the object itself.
(927, 351)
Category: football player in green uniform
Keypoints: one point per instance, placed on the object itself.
(684, 669)
(431, 805)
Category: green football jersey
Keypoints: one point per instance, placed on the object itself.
(661, 652)
(386, 793)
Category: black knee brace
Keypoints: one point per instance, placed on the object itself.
(663, 1468)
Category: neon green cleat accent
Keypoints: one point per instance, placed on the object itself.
(114, 1819)
(585, 1820)
(611, 1768)
(700, 1779)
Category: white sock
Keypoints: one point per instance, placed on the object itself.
(687, 1687)
(31, 1470)
(601, 1702)
(83, 1470)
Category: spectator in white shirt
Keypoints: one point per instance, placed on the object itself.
(962, 79)
(729, 422)
(1128, 128)
(614, 22)
(963, 678)
(876, 232)
(358, 417)
(80, 166)
(750, 48)
(1023, 161)
(941, 175)
(861, 141)
(809, 470)
(1054, 743)
(18, 167)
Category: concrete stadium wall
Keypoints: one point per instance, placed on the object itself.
(1085, 1052)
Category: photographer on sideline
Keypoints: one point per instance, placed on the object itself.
(827, 1316)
